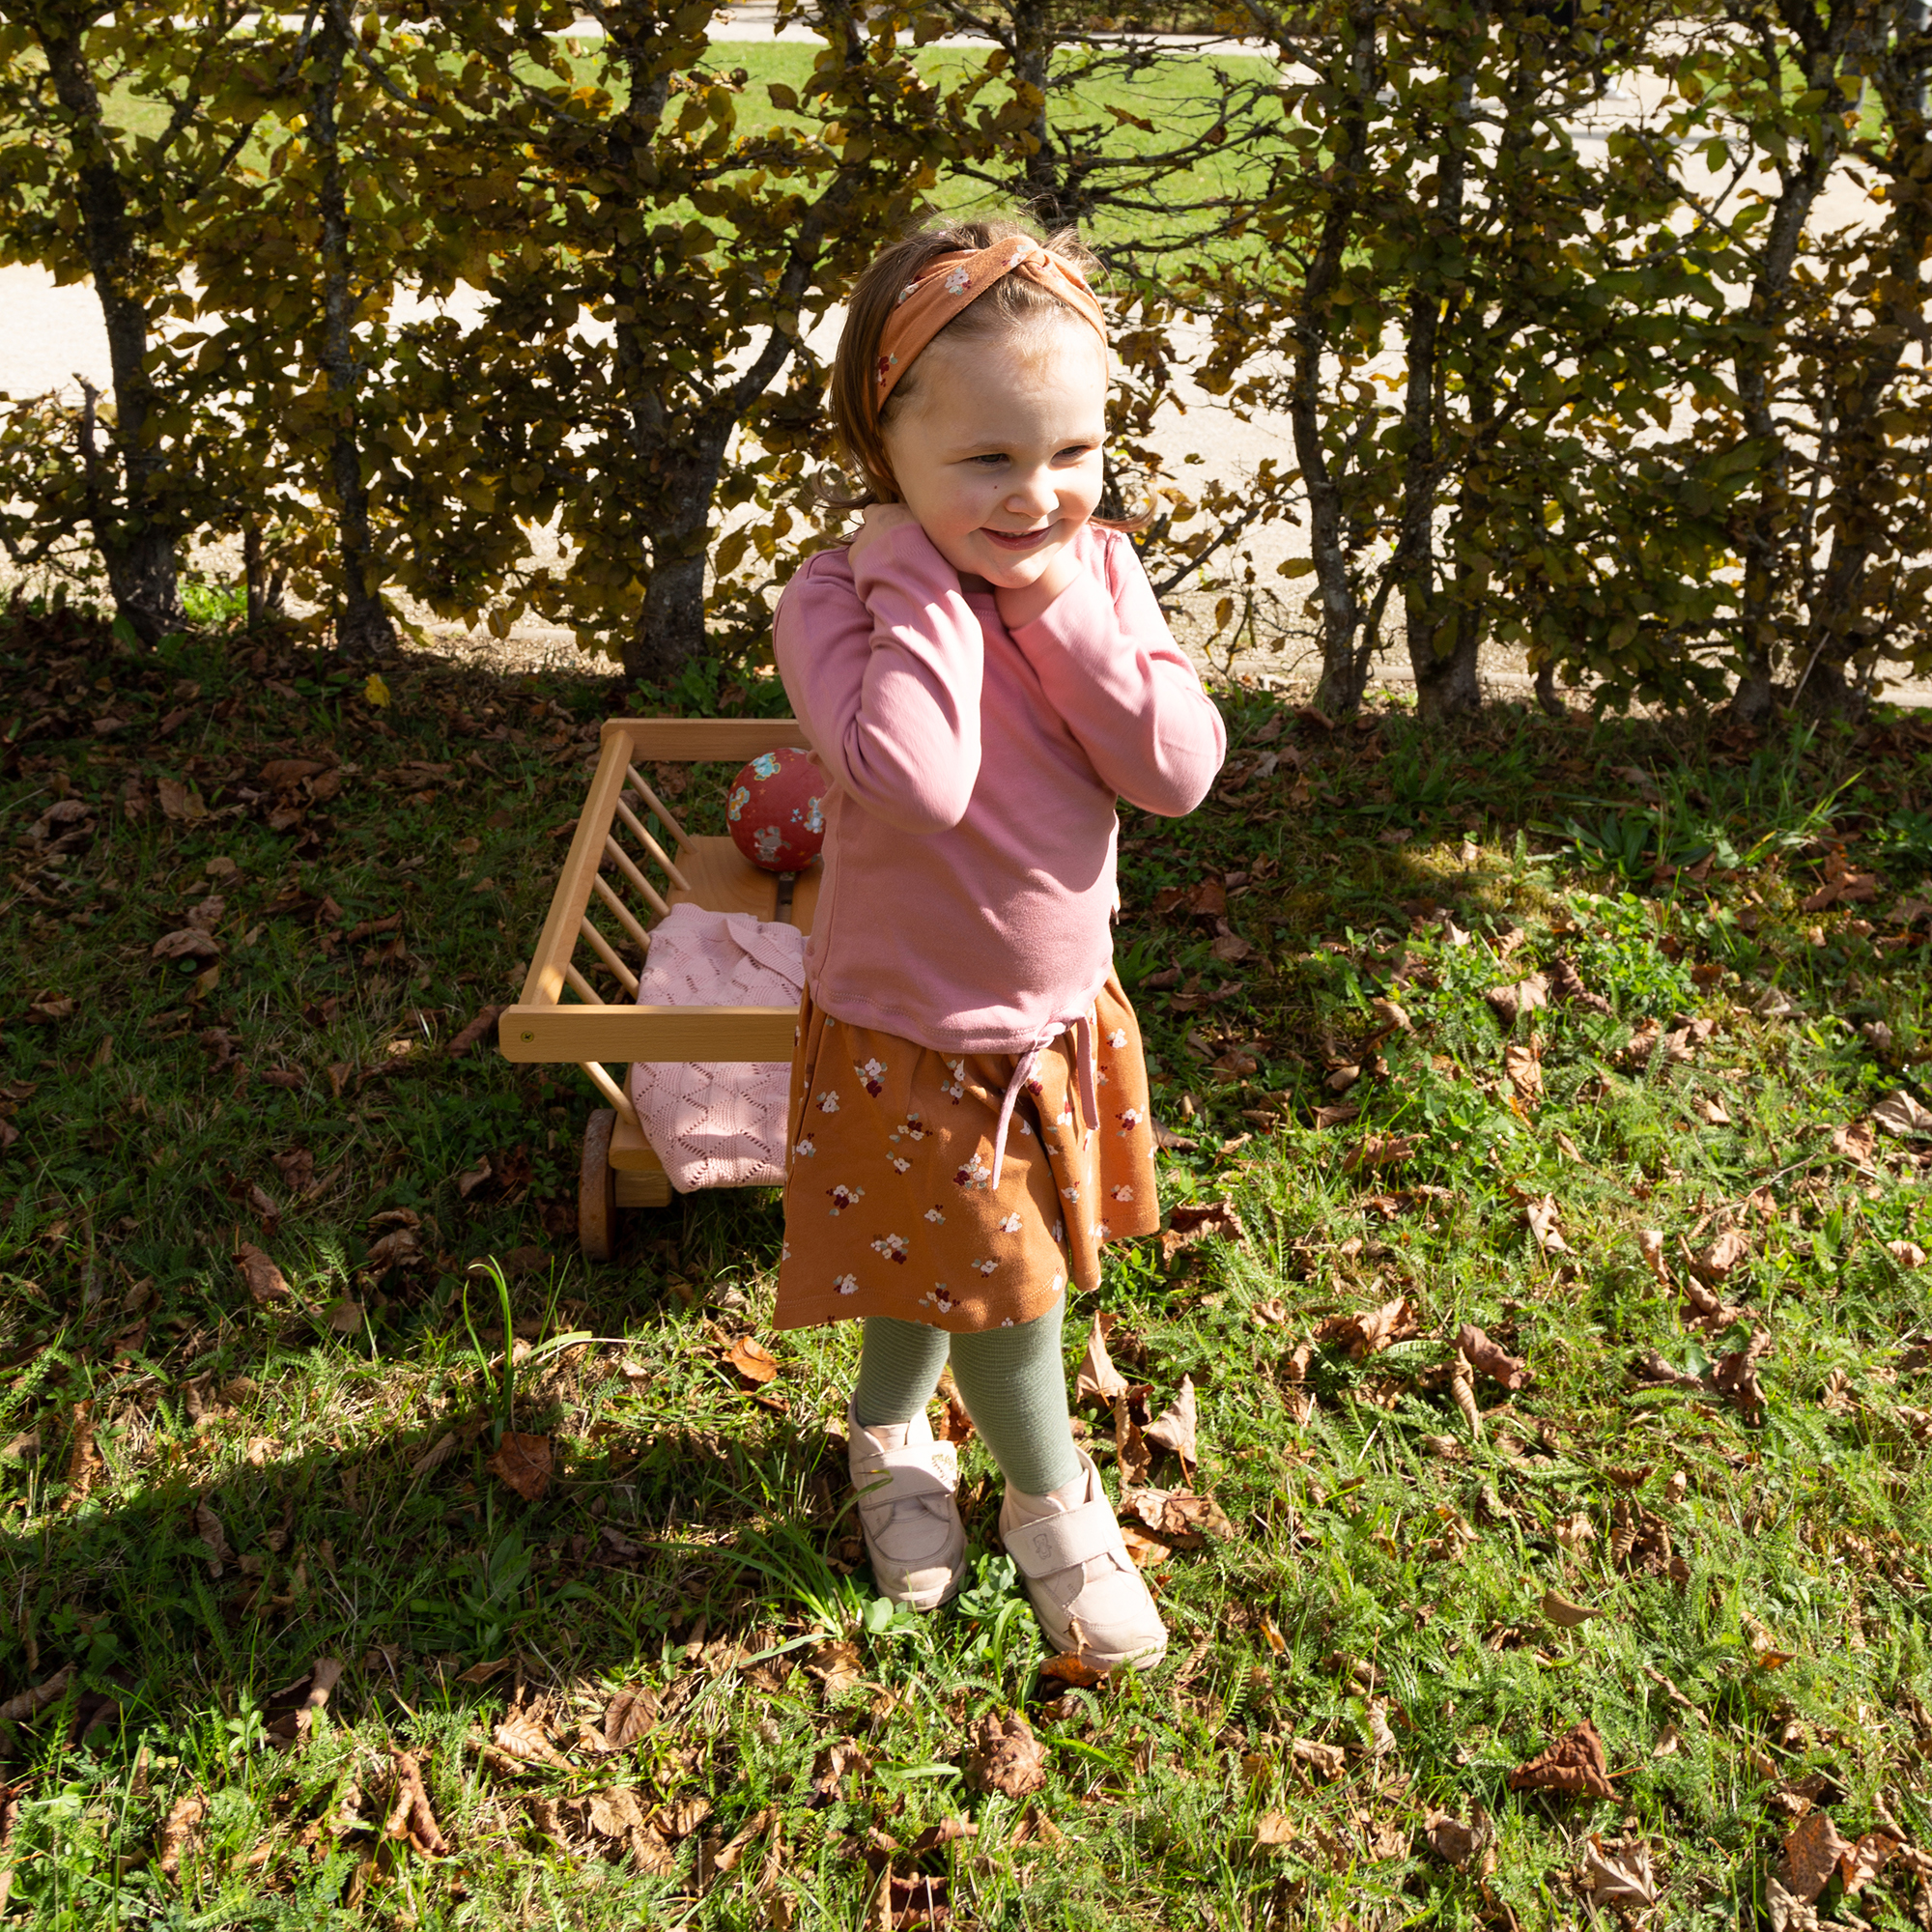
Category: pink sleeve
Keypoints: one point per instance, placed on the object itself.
(884, 672)
(1109, 666)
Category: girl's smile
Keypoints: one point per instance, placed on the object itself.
(1019, 540)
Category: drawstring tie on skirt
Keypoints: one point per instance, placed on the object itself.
(1083, 1031)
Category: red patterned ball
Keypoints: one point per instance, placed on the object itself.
(776, 811)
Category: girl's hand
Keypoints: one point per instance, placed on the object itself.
(881, 520)
(1023, 606)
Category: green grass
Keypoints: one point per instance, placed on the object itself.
(1175, 99)
(1382, 1595)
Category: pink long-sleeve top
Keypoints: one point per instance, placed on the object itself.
(969, 837)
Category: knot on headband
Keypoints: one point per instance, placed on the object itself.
(952, 282)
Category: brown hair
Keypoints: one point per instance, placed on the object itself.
(1012, 304)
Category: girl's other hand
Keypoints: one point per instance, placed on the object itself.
(1023, 606)
(881, 520)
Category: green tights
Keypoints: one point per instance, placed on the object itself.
(1011, 1381)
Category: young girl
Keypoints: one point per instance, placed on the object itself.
(981, 674)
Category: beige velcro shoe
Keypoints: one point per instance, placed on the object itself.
(907, 1485)
(1091, 1600)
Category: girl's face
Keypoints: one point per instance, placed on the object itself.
(997, 450)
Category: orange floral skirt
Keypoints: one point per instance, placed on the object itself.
(889, 1203)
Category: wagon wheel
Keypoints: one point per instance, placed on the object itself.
(597, 1189)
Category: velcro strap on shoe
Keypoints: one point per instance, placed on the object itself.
(1057, 1543)
(919, 1470)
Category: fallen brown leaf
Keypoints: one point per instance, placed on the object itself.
(650, 1855)
(1337, 1116)
(1900, 1114)
(1619, 1873)
(1201, 1221)
(1652, 1367)
(1524, 996)
(1718, 1262)
(409, 1815)
(1542, 1217)
(614, 1812)
(1175, 1428)
(1523, 1063)
(682, 1816)
(1563, 1613)
(628, 1716)
(955, 1424)
(1145, 1549)
(291, 1711)
(1325, 1761)
(1702, 1308)
(1368, 1331)
(36, 1697)
(1487, 1358)
(1073, 1670)
(1099, 1380)
(1907, 1254)
(1131, 1451)
(190, 942)
(435, 1456)
(1374, 1149)
(1736, 1375)
(1274, 1828)
(1865, 1859)
(263, 1277)
(180, 1830)
(522, 1735)
(836, 1762)
(1003, 1755)
(297, 1167)
(1812, 1849)
(178, 802)
(1575, 1763)
(755, 1363)
(470, 1034)
(1462, 1845)
(208, 1526)
(1179, 1516)
(1566, 983)
(836, 1665)
(948, 1832)
(523, 1463)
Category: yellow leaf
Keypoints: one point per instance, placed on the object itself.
(376, 691)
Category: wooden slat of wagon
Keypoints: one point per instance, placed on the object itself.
(543, 985)
(547, 1033)
(686, 740)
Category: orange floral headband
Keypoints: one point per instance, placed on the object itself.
(953, 281)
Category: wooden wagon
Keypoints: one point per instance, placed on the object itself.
(619, 878)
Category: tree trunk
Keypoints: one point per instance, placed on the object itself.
(1759, 351)
(1346, 647)
(1445, 679)
(1033, 44)
(1865, 465)
(132, 528)
(670, 629)
(363, 626)
(262, 584)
